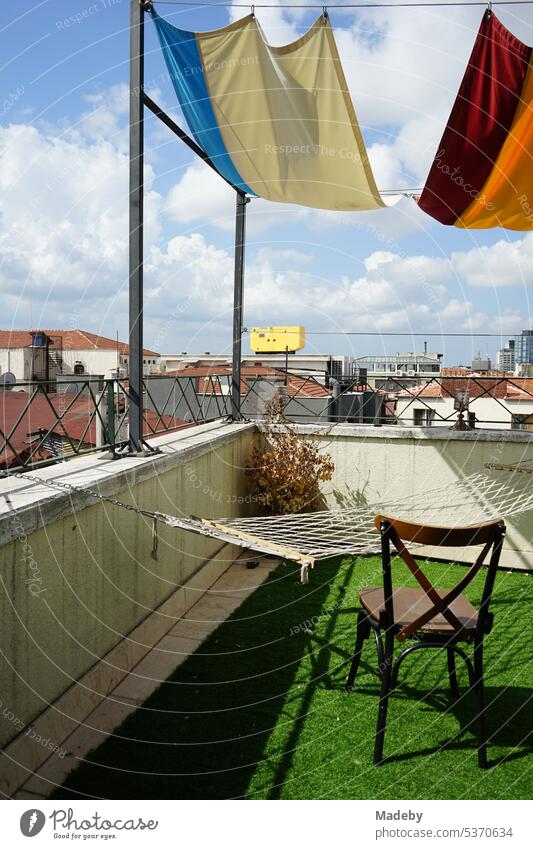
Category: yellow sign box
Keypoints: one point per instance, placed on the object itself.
(277, 340)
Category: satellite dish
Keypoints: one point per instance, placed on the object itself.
(70, 389)
(7, 380)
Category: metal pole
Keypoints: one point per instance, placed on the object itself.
(136, 226)
(184, 137)
(240, 236)
(111, 435)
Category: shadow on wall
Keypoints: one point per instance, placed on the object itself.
(202, 734)
(352, 497)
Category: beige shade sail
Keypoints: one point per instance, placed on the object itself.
(280, 117)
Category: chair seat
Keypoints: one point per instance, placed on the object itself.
(409, 604)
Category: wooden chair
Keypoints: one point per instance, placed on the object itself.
(433, 618)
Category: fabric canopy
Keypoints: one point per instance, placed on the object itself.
(482, 175)
(277, 122)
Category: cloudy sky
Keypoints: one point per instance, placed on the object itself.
(64, 182)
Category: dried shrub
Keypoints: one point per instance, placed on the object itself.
(286, 474)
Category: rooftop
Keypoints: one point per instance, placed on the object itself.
(478, 386)
(258, 709)
(297, 386)
(71, 340)
(222, 675)
(26, 418)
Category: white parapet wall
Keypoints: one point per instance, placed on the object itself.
(85, 592)
(379, 464)
(78, 576)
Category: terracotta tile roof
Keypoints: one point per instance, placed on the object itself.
(516, 388)
(432, 390)
(71, 340)
(520, 388)
(455, 371)
(42, 414)
(302, 387)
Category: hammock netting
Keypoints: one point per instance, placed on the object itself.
(306, 538)
(309, 537)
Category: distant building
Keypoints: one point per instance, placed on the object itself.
(492, 403)
(402, 369)
(505, 357)
(523, 347)
(523, 369)
(480, 363)
(320, 366)
(45, 354)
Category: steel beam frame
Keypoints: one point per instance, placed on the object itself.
(136, 210)
(138, 100)
(238, 292)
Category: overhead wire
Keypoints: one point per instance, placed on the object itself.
(393, 333)
(403, 5)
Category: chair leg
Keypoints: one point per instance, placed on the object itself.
(363, 630)
(452, 674)
(480, 706)
(383, 700)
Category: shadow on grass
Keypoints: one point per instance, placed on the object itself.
(508, 718)
(259, 709)
(203, 732)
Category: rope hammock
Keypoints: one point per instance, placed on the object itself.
(306, 538)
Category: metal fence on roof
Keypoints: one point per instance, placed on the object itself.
(42, 423)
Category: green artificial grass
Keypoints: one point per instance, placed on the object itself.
(259, 710)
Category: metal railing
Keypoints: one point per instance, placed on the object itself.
(44, 422)
(499, 402)
(462, 402)
(39, 426)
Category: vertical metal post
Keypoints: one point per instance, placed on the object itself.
(240, 236)
(136, 226)
(111, 435)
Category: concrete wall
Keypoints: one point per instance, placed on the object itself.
(176, 397)
(13, 361)
(376, 465)
(77, 576)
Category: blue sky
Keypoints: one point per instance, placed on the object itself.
(63, 169)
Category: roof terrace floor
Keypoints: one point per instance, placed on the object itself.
(257, 708)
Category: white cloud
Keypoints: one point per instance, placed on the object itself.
(64, 224)
(283, 256)
(64, 233)
(276, 22)
(202, 196)
(503, 264)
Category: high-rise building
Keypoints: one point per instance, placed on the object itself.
(523, 348)
(505, 358)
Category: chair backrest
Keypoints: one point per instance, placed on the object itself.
(489, 535)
